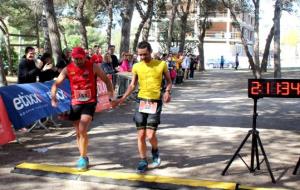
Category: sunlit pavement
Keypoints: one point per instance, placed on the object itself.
(201, 128)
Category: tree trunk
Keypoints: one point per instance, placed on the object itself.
(201, 36)
(277, 15)
(183, 25)
(53, 30)
(264, 62)
(256, 34)
(201, 55)
(171, 23)
(142, 23)
(82, 29)
(37, 30)
(3, 81)
(126, 25)
(109, 26)
(8, 50)
(147, 27)
(47, 43)
(255, 68)
(62, 33)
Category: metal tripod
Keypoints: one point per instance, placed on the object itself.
(254, 148)
(296, 168)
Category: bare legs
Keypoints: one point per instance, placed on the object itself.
(81, 127)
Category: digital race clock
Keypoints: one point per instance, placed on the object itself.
(278, 88)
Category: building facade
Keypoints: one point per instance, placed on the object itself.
(222, 38)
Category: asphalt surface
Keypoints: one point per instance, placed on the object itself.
(201, 128)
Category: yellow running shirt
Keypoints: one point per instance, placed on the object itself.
(150, 78)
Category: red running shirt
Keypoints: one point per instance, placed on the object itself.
(82, 82)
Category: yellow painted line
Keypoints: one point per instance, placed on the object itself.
(257, 188)
(129, 176)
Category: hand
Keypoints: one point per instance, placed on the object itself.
(48, 66)
(167, 97)
(114, 103)
(38, 63)
(119, 101)
(54, 102)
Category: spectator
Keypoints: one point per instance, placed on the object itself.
(193, 67)
(222, 62)
(172, 69)
(186, 65)
(107, 66)
(29, 67)
(125, 66)
(97, 57)
(237, 61)
(115, 62)
(49, 71)
(64, 60)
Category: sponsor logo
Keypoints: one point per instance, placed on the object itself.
(22, 101)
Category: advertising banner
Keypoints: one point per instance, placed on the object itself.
(27, 103)
(6, 130)
(103, 102)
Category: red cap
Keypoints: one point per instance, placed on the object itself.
(78, 53)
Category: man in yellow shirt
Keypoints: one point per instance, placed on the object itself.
(148, 73)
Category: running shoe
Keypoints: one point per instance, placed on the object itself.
(155, 159)
(83, 163)
(142, 166)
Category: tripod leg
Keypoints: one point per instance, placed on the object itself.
(254, 151)
(297, 166)
(236, 152)
(257, 155)
(266, 159)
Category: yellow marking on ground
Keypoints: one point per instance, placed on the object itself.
(258, 188)
(129, 176)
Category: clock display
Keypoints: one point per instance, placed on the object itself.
(278, 88)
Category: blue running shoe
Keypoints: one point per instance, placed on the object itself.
(142, 166)
(83, 163)
(155, 159)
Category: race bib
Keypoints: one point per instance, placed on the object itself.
(147, 107)
(83, 95)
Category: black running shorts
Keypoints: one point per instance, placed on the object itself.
(80, 109)
(146, 120)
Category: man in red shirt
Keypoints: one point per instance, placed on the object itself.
(81, 73)
(97, 57)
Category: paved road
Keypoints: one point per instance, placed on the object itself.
(201, 128)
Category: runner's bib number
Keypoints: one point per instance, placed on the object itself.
(147, 107)
(83, 95)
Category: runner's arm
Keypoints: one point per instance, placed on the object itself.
(100, 73)
(57, 82)
(130, 88)
(167, 95)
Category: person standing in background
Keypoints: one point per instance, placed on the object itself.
(29, 67)
(236, 61)
(115, 61)
(222, 61)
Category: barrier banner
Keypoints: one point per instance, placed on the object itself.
(27, 103)
(6, 131)
(103, 102)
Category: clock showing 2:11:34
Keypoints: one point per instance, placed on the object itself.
(280, 88)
